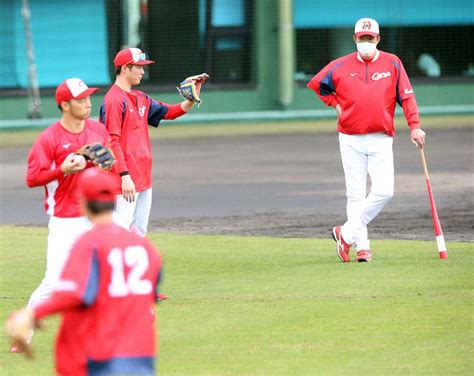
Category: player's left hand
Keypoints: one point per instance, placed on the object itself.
(19, 327)
(417, 136)
(190, 88)
(100, 155)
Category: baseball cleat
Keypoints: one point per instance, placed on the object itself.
(342, 248)
(161, 296)
(364, 256)
(14, 349)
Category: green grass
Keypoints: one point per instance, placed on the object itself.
(278, 306)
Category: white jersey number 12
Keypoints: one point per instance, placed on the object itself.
(136, 258)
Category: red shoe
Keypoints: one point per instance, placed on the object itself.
(14, 349)
(364, 255)
(342, 248)
(161, 296)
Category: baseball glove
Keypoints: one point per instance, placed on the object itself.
(19, 327)
(190, 88)
(98, 154)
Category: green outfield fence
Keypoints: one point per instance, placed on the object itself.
(259, 53)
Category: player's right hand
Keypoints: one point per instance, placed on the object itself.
(19, 328)
(73, 163)
(128, 188)
(417, 136)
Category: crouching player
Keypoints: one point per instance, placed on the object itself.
(106, 294)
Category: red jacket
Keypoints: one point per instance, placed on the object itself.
(49, 151)
(106, 296)
(126, 117)
(367, 92)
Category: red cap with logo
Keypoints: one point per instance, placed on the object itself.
(133, 56)
(97, 185)
(366, 26)
(73, 88)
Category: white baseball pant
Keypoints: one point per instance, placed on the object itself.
(134, 215)
(364, 154)
(62, 233)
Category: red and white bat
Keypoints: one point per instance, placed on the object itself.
(443, 254)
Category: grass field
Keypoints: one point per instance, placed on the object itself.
(273, 306)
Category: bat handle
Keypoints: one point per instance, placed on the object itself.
(423, 162)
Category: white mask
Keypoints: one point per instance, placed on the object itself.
(366, 49)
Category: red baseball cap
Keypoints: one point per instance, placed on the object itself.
(73, 88)
(366, 26)
(133, 56)
(97, 185)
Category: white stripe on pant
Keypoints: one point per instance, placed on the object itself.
(370, 154)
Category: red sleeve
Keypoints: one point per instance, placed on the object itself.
(174, 111)
(55, 304)
(121, 166)
(79, 282)
(113, 122)
(41, 166)
(406, 98)
(410, 109)
(44, 177)
(405, 89)
(322, 84)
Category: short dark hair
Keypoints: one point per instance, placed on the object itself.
(119, 69)
(97, 207)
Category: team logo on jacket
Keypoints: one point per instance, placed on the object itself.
(141, 110)
(379, 75)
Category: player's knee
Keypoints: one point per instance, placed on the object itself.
(355, 195)
(122, 220)
(388, 196)
(140, 227)
(385, 196)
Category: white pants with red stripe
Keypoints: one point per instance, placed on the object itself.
(134, 215)
(62, 233)
(362, 155)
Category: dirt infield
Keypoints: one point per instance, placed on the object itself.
(288, 185)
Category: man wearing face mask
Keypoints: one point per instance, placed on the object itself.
(364, 88)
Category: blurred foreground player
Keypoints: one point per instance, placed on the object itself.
(53, 163)
(106, 295)
(364, 88)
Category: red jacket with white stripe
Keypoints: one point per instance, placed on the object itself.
(367, 92)
(47, 154)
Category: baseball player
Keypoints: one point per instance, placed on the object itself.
(126, 114)
(364, 88)
(106, 294)
(53, 164)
